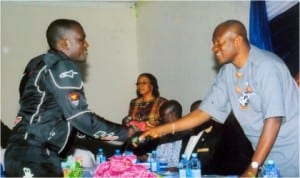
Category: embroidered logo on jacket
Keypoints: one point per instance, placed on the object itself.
(69, 74)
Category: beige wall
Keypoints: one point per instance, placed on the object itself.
(172, 40)
(174, 43)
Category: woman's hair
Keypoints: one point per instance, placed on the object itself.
(153, 82)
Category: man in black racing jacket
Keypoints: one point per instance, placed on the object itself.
(52, 103)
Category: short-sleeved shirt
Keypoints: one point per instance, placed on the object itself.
(170, 152)
(262, 89)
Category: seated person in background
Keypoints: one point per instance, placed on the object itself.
(297, 79)
(203, 140)
(222, 148)
(169, 145)
(144, 110)
(5, 132)
(235, 151)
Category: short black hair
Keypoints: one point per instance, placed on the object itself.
(174, 107)
(57, 30)
(195, 105)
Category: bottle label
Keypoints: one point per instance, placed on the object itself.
(153, 166)
(182, 173)
(163, 165)
(196, 173)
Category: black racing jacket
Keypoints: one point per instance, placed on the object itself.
(52, 103)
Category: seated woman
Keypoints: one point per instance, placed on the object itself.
(144, 110)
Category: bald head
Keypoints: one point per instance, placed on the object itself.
(230, 43)
(232, 26)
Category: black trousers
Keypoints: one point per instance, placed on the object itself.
(26, 160)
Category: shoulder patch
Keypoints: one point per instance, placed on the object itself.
(65, 75)
(74, 98)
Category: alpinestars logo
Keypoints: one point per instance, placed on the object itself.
(69, 74)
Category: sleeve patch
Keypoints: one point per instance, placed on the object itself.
(74, 98)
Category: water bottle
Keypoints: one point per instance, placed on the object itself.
(127, 153)
(194, 167)
(270, 170)
(154, 161)
(1, 170)
(117, 152)
(100, 157)
(183, 166)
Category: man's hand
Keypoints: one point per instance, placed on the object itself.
(139, 125)
(131, 132)
(249, 172)
(154, 132)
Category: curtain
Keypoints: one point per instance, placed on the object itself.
(259, 26)
(276, 32)
(284, 30)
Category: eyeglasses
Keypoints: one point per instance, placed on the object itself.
(141, 83)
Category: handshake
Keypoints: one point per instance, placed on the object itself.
(137, 125)
(135, 143)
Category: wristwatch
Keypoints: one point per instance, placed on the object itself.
(254, 165)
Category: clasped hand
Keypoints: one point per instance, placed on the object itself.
(154, 132)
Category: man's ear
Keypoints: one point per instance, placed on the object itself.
(63, 44)
(238, 40)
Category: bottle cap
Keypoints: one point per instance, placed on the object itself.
(270, 161)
